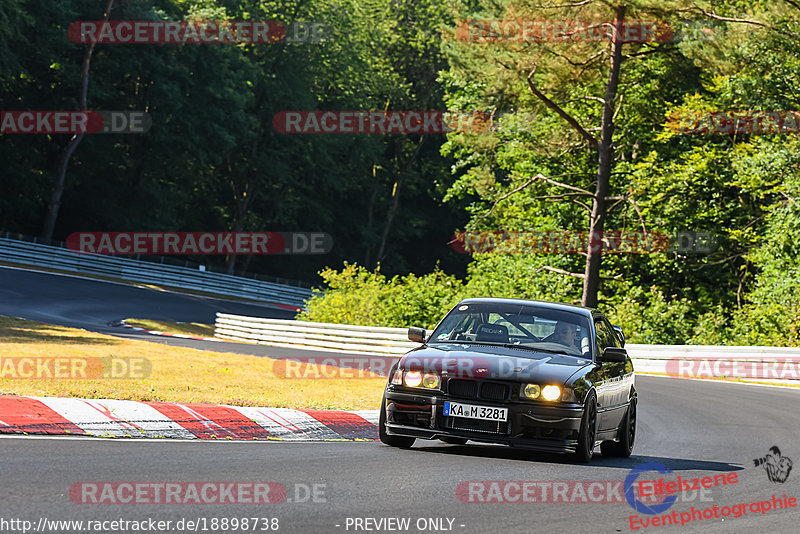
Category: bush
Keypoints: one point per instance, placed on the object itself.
(360, 297)
(649, 317)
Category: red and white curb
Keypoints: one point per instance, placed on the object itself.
(136, 419)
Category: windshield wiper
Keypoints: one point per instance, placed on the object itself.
(535, 349)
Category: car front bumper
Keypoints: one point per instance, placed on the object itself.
(529, 426)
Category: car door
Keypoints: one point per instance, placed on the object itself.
(611, 386)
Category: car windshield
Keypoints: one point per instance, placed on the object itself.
(525, 325)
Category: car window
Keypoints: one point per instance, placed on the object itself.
(496, 318)
(525, 325)
(605, 335)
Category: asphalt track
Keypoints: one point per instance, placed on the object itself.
(92, 304)
(695, 428)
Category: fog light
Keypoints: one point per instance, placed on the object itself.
(413, 379)
(532, 391)
(551, 393)
(430, 380)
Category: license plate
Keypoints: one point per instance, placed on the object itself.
(471, 411)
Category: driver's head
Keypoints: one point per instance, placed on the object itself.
(565, 333)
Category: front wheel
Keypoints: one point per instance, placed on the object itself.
(586, 435)
(393, 441)
(627, 434)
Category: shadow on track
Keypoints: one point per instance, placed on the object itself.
(506, 453)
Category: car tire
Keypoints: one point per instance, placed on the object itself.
(588, 431)
(454, 441)
(627, 435)
(393, 441)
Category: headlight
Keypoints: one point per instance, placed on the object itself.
(551, 393)
(430, 380)
(531, 391)
(413, 379)
(397, 378)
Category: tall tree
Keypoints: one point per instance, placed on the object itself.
(63, 162)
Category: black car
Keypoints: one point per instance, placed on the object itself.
(529, 374)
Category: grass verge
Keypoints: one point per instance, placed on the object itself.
(190, 329)
(178, 374)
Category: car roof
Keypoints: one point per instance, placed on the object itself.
(539, 303)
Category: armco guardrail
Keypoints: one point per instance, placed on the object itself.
(317, 336)
(36, 254)
(767, 363)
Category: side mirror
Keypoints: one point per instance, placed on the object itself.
(618, 330)
(614, 355)
(417, 334)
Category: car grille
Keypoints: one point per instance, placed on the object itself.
(463, 388)
(468, 389)
(476, 425)
(494, 391)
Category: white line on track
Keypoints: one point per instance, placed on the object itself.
(718, 381)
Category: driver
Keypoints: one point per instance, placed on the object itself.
(564, 334)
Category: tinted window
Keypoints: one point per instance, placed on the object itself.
(544, 328)
(605, 335)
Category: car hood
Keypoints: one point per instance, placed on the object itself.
(493, 362)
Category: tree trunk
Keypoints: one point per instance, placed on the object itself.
(389, 218)
(242, 200)
(370, 210)
(591, 280)
(49, 225)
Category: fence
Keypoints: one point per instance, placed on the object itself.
(766, 363)
(317, 336)
(37, 254)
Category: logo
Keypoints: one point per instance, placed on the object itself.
(777, 467)
(629, 488)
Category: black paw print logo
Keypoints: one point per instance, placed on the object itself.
(777, 467)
